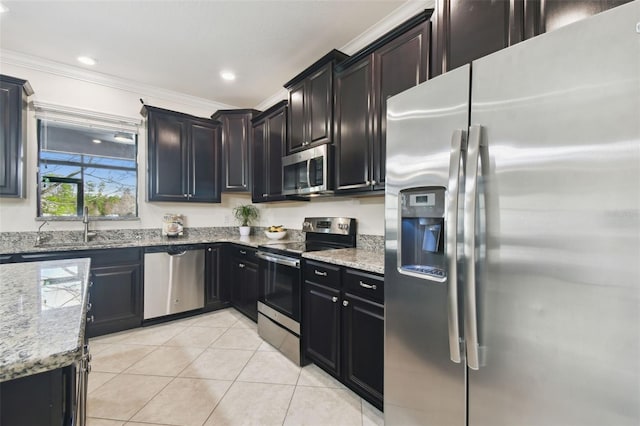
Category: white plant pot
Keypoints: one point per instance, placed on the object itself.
(244, 231)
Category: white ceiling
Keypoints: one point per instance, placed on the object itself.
(183, 45)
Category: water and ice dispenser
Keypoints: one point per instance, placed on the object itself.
(422, 239)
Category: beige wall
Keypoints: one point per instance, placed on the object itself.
(19, 215)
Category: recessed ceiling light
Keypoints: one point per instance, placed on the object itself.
(87, 60)
(227, 75)
(3, 8)
(96, 141)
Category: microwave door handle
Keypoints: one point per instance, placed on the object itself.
(458, 146)
(309, 173)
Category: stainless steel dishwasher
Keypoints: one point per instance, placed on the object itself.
(173, 280)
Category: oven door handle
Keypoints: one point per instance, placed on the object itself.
(280, 260)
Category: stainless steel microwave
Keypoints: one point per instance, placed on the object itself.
(308, 172)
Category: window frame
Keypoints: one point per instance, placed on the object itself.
(40, 123)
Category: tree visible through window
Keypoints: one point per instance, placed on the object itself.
(84, 166)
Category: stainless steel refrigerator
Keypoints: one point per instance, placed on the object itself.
(512, 254)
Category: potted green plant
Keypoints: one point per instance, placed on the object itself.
(246, 214)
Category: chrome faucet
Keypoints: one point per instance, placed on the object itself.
(85, 220)
(39, 235)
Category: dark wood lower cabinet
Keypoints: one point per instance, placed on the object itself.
(116, 291)
(216, 289)
(343, 332)
(321, 326)
(242, 277)
(116, 299)
(363, 347)
(44, 399)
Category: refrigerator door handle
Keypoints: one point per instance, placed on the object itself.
(458, 145)
(470, 197)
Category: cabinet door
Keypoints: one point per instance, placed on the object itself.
(168, 158)
(250, 302)
(277, 135)
(204, 173)
(547, 15)
(363, 348)
(354, 126)
(471, 29)
(398, 65)
(235, 146)
(260, 163)
(297, 118)
(47, 398)
(321, 322)
(12, 131)
(216, 292)
(116, 299)
(320, 106)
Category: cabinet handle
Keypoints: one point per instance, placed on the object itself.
(89, 306)
(185, 195)
(90, 283)
(243, 252)
(334, 299)
(90, 319)
(345, 303)
(209, 249)
(373, 182)
(321, 273)
(367, 182)
(265, 195)
(365, 285)
(241, 265)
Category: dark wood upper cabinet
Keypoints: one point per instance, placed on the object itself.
(399, 64)
(183, 157)
(310, 119)
(354, 126)
(236, 137)
(547, 15)
(395, 62)
(268, 147)
(466, 30)
(13, 131)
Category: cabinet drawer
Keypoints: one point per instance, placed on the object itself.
(322, 273)
(364, 284)
(242, 252)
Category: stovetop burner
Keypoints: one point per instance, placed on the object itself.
(324, 233)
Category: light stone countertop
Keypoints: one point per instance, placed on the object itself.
(43, 308)
(366, 260)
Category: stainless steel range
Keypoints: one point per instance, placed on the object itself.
(280, 280)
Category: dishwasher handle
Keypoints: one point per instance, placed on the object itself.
(281, 260)
(177, 253)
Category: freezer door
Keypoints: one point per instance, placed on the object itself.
(422, 386)
(558, 227)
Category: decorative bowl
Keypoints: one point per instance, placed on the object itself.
(275, 235)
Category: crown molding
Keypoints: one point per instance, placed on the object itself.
(388, 23)
(282, 94)
(408, 10)
(144, 90)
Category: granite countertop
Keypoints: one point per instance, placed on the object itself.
(43, 309)
(366, 260)
(27, 245)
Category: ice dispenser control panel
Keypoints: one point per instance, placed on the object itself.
(421, 247)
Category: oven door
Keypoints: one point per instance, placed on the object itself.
(280, 283)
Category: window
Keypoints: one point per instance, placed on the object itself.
(81, 165)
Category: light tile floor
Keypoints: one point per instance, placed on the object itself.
(212, 369)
